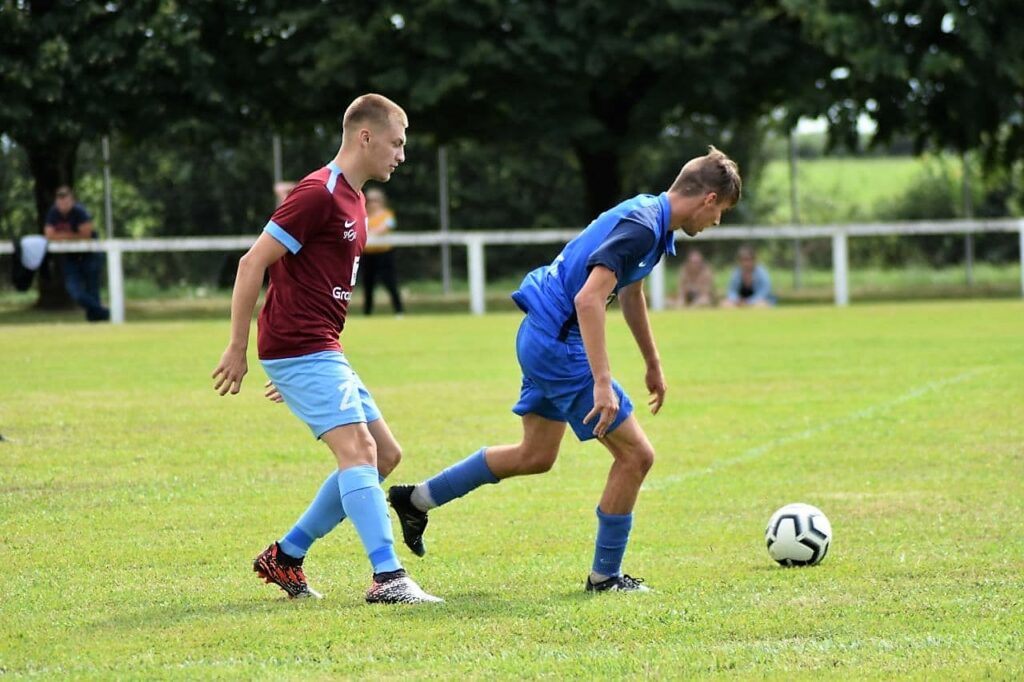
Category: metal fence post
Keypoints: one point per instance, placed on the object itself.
(115, 282)
(840, 268)
(477, 280)
(1022, 258)
(658, 286)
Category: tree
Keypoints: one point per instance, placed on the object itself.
(595, 78)
(948, 73)
(76, 70)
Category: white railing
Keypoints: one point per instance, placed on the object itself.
(476, 241)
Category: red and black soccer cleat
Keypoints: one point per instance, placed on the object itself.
(273, 568)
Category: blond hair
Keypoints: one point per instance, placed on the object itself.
(713, 172)
(372, 109)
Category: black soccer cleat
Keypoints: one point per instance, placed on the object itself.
(413, 521)
(396, 587)
(618, 583)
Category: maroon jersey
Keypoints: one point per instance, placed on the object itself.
(322, 223)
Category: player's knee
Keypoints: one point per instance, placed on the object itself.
(642, 459)
(542, 461)
(534, 460)
(360, 449)
(388, 458)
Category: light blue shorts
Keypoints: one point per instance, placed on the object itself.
(558, 384)
(322, 390)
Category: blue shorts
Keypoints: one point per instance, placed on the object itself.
(558, 383)
(322, 390)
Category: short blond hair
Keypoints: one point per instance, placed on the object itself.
(713, 172)
(372, 109)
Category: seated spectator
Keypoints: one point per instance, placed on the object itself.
(749, 285)
(696, 282)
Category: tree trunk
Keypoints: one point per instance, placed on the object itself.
(52, 164)
(602, 178)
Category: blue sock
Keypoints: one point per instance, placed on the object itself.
(612, 537)
(323, 514)
(460, 478)
(363, 500)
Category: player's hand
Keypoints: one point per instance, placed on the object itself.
(656, 387)
(229, 373)
(606, 404)
(272, 393)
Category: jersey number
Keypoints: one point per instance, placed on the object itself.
(355, 269)
(349, 396)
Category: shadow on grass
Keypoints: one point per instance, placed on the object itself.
(463, 606)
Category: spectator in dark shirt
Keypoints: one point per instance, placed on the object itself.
(68, 220)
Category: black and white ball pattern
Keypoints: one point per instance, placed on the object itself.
(798, 535)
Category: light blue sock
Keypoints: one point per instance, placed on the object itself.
(322, 516)
(363, 500)
(460, 478)
(612, 537)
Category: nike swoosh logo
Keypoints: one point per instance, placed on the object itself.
(643, 264)
(349, 223)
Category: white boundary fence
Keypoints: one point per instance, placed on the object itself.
(476, 241)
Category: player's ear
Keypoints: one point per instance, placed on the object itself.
(711, 198)
(364, 136)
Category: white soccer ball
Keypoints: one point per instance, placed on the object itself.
(798, 535)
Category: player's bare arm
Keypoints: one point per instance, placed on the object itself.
(251, 268)
(590, 305)
(634, 309)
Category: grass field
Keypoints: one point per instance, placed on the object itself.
(132, 500)
(146, 302)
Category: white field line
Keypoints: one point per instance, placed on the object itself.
(859, 415)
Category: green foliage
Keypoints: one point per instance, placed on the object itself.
(949, 73)
(849, 190)
(17, 214)
(133, 499)
(536, 71)
(833, 190)
(135, 215)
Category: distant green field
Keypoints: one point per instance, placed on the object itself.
(132, 500)
(836, 189)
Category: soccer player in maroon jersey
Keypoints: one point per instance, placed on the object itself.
(312, 246)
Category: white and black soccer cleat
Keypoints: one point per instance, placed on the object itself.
(618, 583)
(412, 520)
(396, 587)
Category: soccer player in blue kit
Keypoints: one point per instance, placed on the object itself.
(312, 246)
(566, 374)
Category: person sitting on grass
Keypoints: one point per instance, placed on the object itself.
(749, 285)
(696, 282)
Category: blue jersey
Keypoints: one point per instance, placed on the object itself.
(547, 294)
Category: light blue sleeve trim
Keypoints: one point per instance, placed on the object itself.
(280, 234)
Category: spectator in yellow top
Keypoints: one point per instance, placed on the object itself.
(378, 259)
